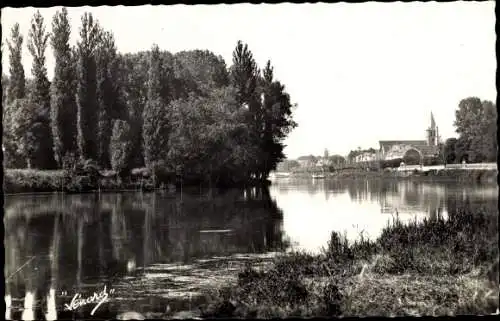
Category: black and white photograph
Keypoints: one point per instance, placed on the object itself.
(250, 161)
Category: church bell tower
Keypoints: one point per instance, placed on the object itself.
(432, 133)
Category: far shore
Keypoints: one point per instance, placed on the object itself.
(482, 176)
(38, 181)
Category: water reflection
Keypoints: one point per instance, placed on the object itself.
(59, 245)
(313, 208)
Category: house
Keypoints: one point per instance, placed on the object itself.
(307, 161)
(365, 157)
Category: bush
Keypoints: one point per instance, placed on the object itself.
(338, 248)
(69, 162)
(79, 184)
(87, 167)
(29, 181)
(160, 173)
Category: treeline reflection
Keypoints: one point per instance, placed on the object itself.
(396, 196)
(72, 242)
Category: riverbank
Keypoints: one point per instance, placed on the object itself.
(17, 181)
(435, 267)
(48, 181)
(481, 176)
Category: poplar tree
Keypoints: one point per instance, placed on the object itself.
(16, 90)
(40, 94)
(63, 104)
(17, 83)
(26, 129)
(87, 116)
(155, 130)
(107, 94)
(267, 143)
(276, 121)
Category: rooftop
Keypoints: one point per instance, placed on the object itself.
(403, 142)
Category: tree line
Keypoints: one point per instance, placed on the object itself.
(182, 114)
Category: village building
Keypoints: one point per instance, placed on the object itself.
(365, 157)
(307, 161)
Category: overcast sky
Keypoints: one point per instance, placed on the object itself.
(359, 73)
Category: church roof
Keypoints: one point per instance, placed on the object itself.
(385, 143)
(308, 157)
(419, 144)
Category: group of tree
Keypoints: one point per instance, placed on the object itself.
(182, 114)
(476, 124)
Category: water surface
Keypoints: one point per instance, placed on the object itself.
(158, 252)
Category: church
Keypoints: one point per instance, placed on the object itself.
(417, 149)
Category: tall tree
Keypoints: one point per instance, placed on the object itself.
(63, 103)
(87, 117)
(267, 141)
(40, 94)
(276, 119)
(16, 90)
(155, 126)
(244, 77)
(107, 94)
(17, 86)
(133, 75)
(26, 130)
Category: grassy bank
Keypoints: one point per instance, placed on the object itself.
(483, 176)
(47, 181)
(40, 181)
(435, 267)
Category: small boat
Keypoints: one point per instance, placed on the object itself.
(318, 176)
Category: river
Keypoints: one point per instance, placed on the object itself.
(156, 253)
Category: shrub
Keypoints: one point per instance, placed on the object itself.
(69, 162)
(29, 180)
(83, 175)
(338, 248)
(160, 173)
(79, 184)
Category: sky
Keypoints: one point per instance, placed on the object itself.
(359, 73)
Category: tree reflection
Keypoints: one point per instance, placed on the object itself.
(83, 241)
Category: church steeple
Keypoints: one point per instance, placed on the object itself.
(432, 133)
